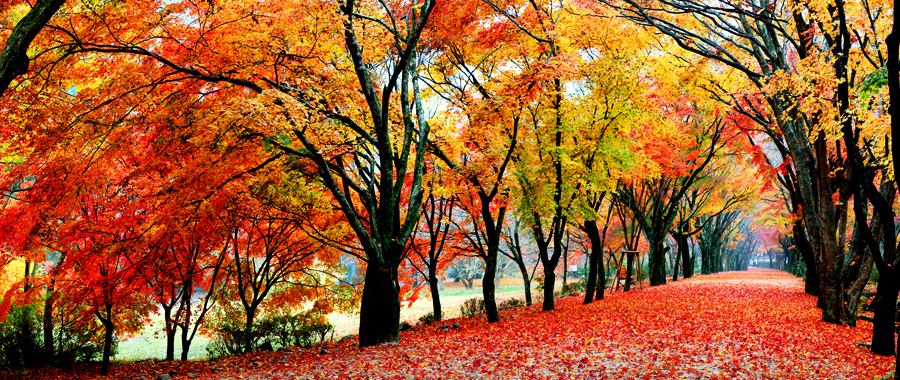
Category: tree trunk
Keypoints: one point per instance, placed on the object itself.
(629, 271)
(893, 70)
(566, 262)
(675, 266)
(683, 250)
(885, 305)
(657, 265)
(435, 292)
(526, 279)
(48, 324)
(705, 259)
(487, 287)
(248, 328)
(812, 275)
(379, 314)
(834, 310)
(594, 262)
(549, 284)
(170, 333)
(107, 339)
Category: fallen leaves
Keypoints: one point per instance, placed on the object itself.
(737, 325)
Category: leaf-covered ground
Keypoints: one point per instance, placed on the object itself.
(737, 325)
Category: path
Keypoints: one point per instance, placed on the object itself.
(743, 325)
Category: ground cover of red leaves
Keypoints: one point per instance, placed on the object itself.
(737, 325)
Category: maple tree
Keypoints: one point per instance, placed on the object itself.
(429, 249)
(187, 156)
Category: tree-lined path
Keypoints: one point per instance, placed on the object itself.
(734, 325)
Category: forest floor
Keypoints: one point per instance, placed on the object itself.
(737, 325)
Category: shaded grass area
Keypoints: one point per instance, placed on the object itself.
(151, 342)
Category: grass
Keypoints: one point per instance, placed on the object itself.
(151, 342)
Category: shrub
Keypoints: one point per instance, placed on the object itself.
(21, 338)
(304, 330)
(511, 303)
(81, 344)
(472, 307)
(427, 319)
(570, 288)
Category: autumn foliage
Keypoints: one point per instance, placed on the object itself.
(224, 164)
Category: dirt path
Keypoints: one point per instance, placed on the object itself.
(737, 325)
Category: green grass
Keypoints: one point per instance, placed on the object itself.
(151, 342)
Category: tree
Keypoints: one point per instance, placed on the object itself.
(14, 58)
(437, 213)
(657, 209)
(515, 251)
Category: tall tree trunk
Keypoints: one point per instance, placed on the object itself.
(526, 279)
(675, 266)
(49, 356)
(566, 261)
(683, 250)
(487, 287)
(629, 271)
(107, 338)
(185, 345)
(705, 259)
(435, 292)
(549, 284)
(380, 307)
(170, 332)
(657, 265)
(801, 243)
(883, 327)
(248, 329)
(594, 261)
(893, 72)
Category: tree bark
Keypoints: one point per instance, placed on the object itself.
(14, 58)
(49, 356)
(170, 332)
(801, 243)
(629, 271)
(883, 327)
(107, 338)
(526, 279)
(594, 262)
(683, 250)
(657, 264)
(487, 287)
(248, 329)
(380, 307)
(549, 284)
(435, 292)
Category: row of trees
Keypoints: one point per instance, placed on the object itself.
(370, 130)
(815, 80)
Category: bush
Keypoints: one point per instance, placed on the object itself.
(81, 344)
(570, 288)
(304, 330)
(511, 303)
(427, 319)
(472, 307)
(21, 338)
